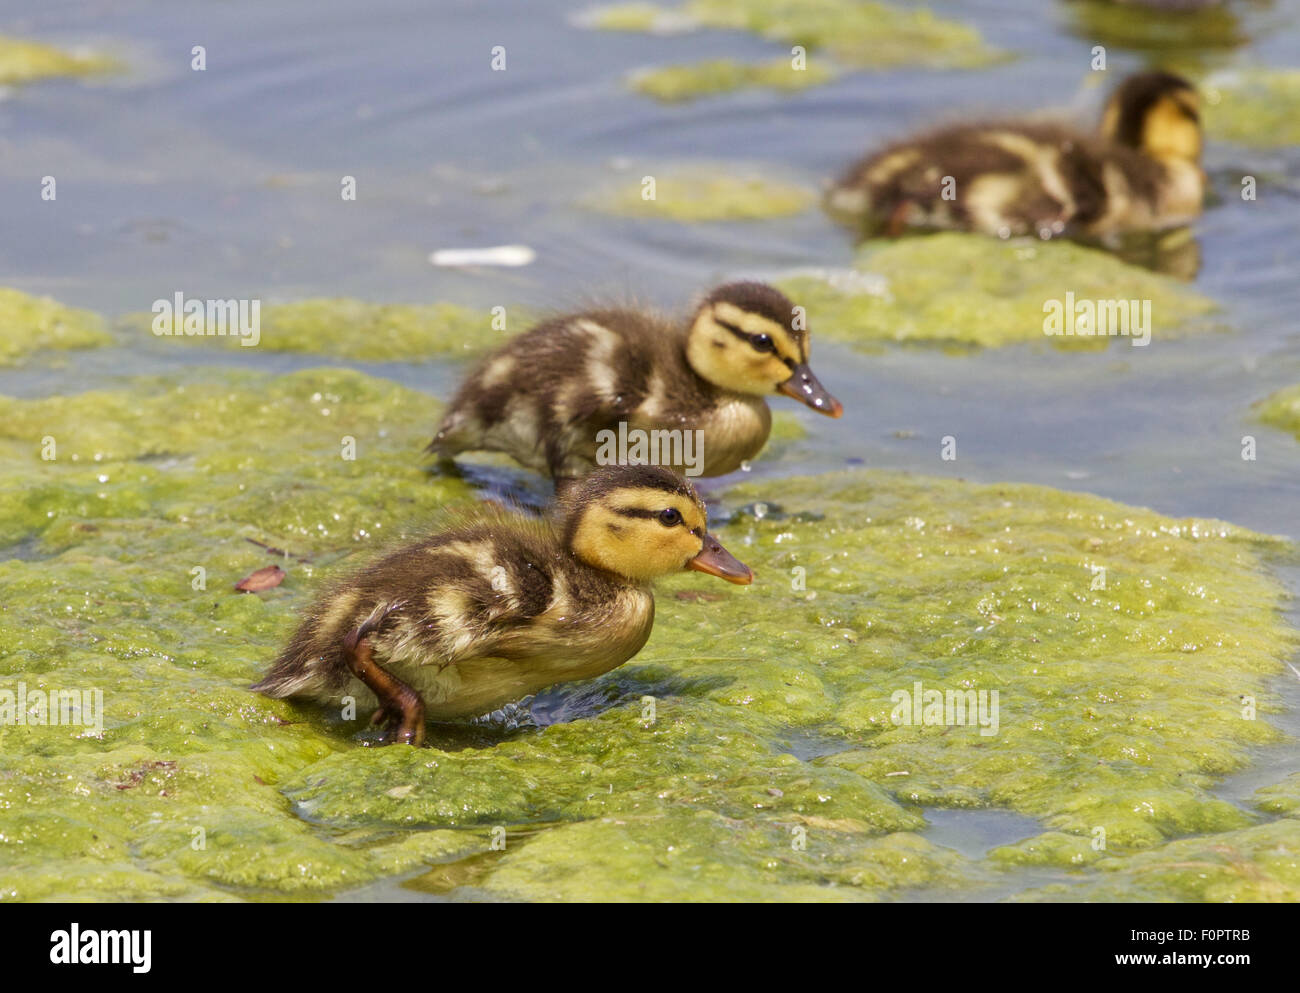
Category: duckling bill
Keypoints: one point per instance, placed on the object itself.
(475, 617)
(1141, 172)
(547, 397)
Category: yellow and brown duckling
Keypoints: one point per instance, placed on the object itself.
(1141, 172)
(460, 623)
(546, 397)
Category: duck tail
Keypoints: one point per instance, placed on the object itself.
(312, 664)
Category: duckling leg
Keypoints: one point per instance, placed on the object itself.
(897, 222)
(399, 704)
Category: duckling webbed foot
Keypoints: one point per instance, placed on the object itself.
(400, 706)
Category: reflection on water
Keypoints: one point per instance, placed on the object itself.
(1175, 252)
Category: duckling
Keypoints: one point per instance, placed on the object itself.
(548, 397)
(464, 621)
(1141, 172)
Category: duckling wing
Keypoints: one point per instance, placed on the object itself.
(544, 397)
(452, 595)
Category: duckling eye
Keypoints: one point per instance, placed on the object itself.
(670, 517)
(762, 343)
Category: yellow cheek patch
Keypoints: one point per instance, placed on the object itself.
(1170, 132)
(623, 533)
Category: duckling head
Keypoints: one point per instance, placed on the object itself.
(642, 522)
(745, 337)
(1157, 114)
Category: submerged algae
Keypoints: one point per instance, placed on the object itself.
(679, 83)
(195, 788)
(356, 329)
(705, 195)
(966, 289)
(28, 61)
(859, 34)
(30, 324)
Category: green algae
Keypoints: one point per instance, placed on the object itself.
(196, 789)
(680, 83)
(135, 454)
(858, 34)
(1282, 410)
(1281, 798)
(134, 535)
(1051, 848)
(964, 289)
(643, 17)
(31, 324)
(702, 194)
(1167, 34)
(29, 61)
(1102, 683)
(355, 329)
(1259, 108)
(698, 855)
(1259, 864)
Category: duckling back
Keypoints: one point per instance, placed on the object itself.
(546, 397)
(1140, 173)
(1000, 179)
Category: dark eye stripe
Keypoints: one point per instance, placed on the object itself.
(749, 339)
(732, 328)
(635, 512)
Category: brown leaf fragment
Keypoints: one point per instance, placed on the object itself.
(266, 578)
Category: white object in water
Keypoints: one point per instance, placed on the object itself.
(511, 255)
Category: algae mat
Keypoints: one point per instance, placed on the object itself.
(31, 324)
(30, 61)
(1257, 107)
(1282, 410)
(963, 290)
(688, 773)
(863, 35)
(340, 327)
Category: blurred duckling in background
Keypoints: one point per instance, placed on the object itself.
(545, 397)
(486, 613)
(1142, 172)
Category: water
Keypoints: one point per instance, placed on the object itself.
(226, 183)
